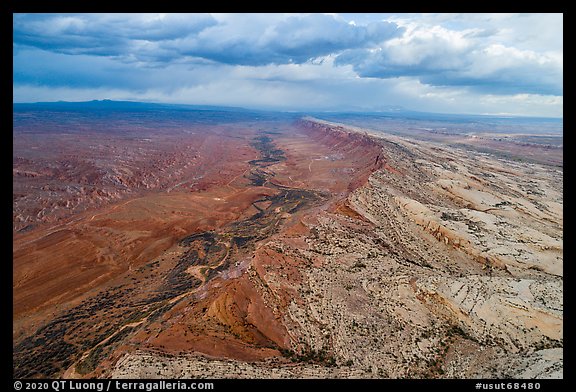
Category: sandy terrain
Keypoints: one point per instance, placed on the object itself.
(324, 252)
(449, 265)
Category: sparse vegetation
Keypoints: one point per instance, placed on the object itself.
(373, 286)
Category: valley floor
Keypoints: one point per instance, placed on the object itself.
(326, 253)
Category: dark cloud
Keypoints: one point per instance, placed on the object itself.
(295, 39)
(306, 59)
(103, 34)
(384, 65)
(525, 79)
(43, 68)
(304, 38)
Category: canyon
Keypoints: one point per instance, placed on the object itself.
(165, 243)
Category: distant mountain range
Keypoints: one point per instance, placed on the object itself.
(107, 104)
(388, 111)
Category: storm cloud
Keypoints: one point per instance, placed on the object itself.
(177, 37)
(301, 61)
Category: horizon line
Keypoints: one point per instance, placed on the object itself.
(391, 109)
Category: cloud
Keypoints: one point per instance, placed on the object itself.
(304, 38)
(333, 94)
(418, 53)
(103, 34)
(173, 37)
(505, 70)
(290, 40)
(442, 57)
(437, 62)
(56, 70)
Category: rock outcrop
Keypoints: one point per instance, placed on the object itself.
(332, 253)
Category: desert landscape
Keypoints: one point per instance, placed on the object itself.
(155, 241)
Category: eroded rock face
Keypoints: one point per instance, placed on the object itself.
(357, 256)
(436, 266)
(517, 314)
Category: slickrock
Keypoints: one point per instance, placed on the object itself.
(336, 254)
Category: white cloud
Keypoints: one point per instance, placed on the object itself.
(475, 63)
(444, 57)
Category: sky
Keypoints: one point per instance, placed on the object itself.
(499, 64)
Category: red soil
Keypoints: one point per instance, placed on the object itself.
(236, 314)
